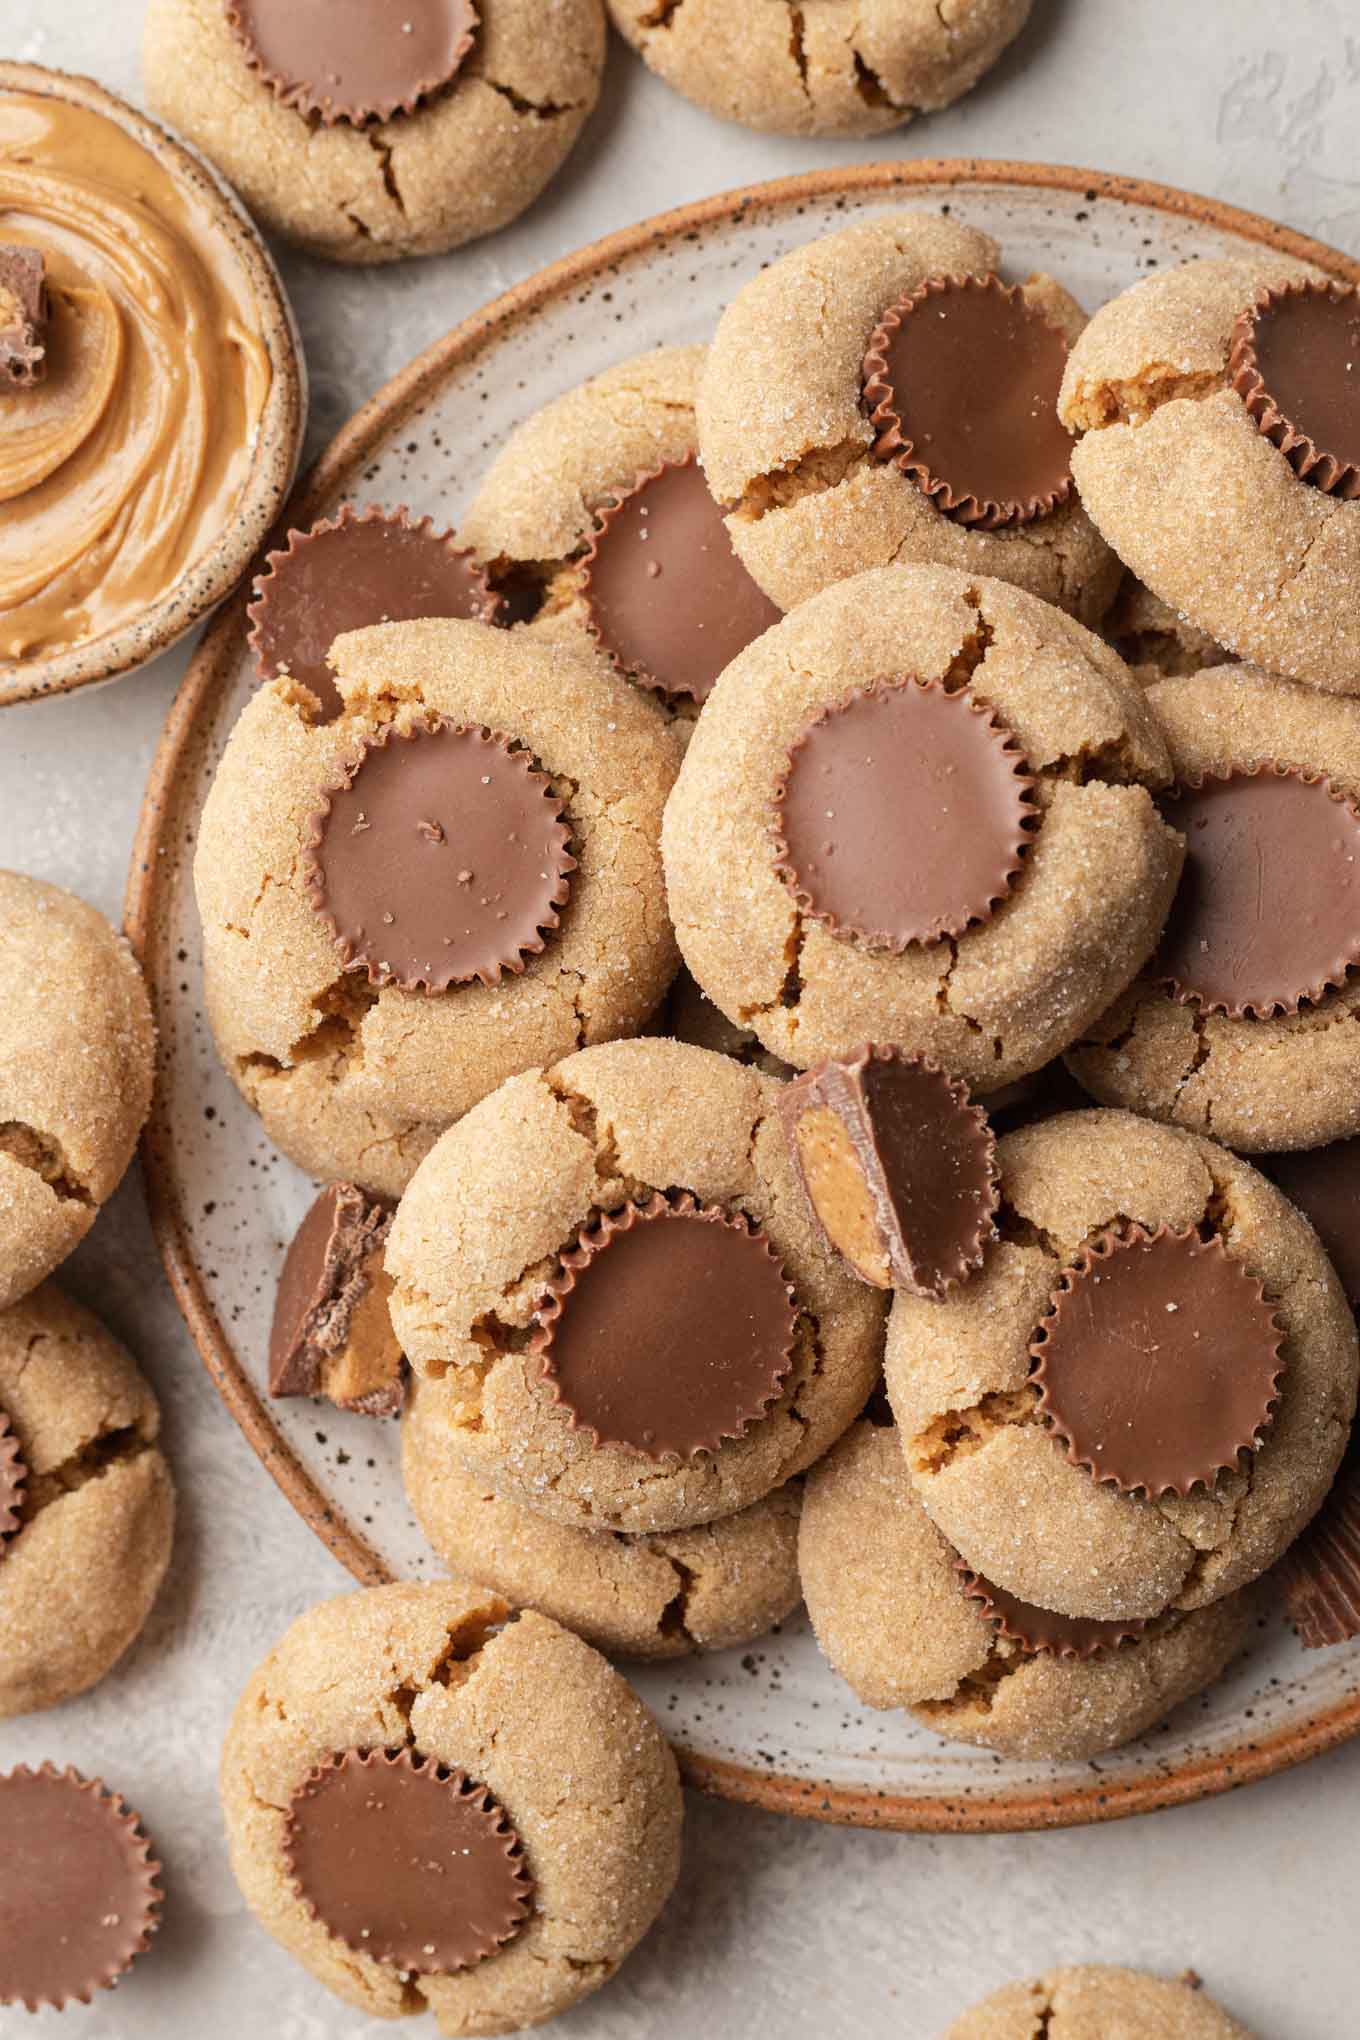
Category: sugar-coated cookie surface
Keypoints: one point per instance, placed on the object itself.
(787, 437)
(96, 1517)
(354, 1079)
(1086, 904)
(77, 1056)
(842, 67)
(1097, 2003)
(574, 1761)
(479, 1233)
(464, 161)
(1004, 1490)
(892, 1614)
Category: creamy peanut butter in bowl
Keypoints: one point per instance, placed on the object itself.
(150, 431)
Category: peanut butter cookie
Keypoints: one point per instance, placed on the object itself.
(1152, 640)
(919, 811)
(457, 878)
(611, 1267)
(1243, 1023)
(390, 1730)
(834, 69)
(1193, 393)
(1117, 2004)
(879, 396)
(364, 136)
(905, 1624)
(86, 1505)
(77, 1057)
(662, 1596)
(597, 517)
(1062, 1474)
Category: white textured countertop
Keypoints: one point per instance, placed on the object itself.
(800, 1930)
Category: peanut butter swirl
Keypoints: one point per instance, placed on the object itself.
(123, 466)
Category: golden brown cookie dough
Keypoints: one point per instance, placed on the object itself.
(786, 436)
(96, 1516)
(1259, 1084)
(477, 1238)
(662, 1596)
(841, 67)
(889, 1604)
(463, 162)
(1092, 891)
(355, 1080)
(77, 1056)
(1197, 502)
(527, 1710)
(1152, 640)
(1004, 1491)
(1096, 2003)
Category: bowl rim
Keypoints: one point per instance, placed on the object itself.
(164, 823)
(208, 580)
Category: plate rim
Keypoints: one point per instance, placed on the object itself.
(159, 823)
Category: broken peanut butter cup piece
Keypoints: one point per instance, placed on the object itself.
(898, 1166)
(903, 815)
(13, 1479)
(78, 1892)
(1267, 913)
(666, 595)
(1295, 363)
(668, 1328)
(353, 60)
(23, 316)
(1039, 1632)
(961, 381)
(406, 1862)
(440, 857)
(1159, 1364)
(332, 1334)
(358, 568)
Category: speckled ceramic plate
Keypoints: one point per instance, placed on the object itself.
(771, 1725)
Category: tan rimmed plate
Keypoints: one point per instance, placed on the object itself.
(207, 580)
(772, 1725)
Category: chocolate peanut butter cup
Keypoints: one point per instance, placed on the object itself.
(898, 1166)
(903, 815)
(1159, 1364)
(354, 60)
(440, 857)
(332, 1334)
(1040, 1632)
(1267, 914)
(1324, 1183)
(23, 316)
(961, 382)
(13, 1479)
(666, 595)
(78, 1892)
(668, 1328)
(1295, 363)
(354, 569)
(406, 1862)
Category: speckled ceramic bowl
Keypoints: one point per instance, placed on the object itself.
(212, 576)
(771, 1725)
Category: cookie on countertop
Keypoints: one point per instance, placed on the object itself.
(878, 396)
(1065, 1477)
(597, 516)
(627, 1221)
(1242, 1023)
(1195, 394)
(364, 137)
(77, 1059)
(365, 983)
(906, 1625)
(1117, 2004)
(986, 918)
(663, 1596)
(86, 1503)
(839, 68)
(409, 1722)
